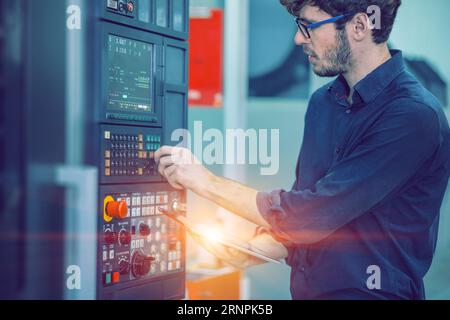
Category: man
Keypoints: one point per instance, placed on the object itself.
(361, 220)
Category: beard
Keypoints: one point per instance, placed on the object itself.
(337, 60)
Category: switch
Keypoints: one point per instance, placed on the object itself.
(107, 278)
(116, 277)
(117, 209)
(110, 237)
(144, 229)
(141, 264)
(177, 207)
(124, 237)
(124, 267)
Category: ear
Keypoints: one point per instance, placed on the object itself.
(360, 27)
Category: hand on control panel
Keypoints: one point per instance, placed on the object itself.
(182, 169)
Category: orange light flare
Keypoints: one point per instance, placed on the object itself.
(211, 233)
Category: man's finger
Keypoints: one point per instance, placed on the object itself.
(162, 152)
(167, 160)
(168, 172)
(164, 163)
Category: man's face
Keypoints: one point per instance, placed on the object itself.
(328, 49)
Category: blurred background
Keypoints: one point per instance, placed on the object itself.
(275, 83)
(244, 72)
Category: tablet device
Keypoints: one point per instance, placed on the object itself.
(225, 240)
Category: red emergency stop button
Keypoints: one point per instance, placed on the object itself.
(117, 209)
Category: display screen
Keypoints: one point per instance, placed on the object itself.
(129, 75)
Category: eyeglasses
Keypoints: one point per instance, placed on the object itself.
(304, 29)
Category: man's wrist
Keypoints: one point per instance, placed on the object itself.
(260, 231)
(205, 187)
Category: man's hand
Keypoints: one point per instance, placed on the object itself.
(240, 260)
(182, 169)
(225, 254)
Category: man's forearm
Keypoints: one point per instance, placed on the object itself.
(233, 196)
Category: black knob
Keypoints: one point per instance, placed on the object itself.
(124, 267)
(124, 237)
(144, 229)
(141, 264)
(110, 237)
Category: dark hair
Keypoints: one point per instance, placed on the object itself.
(389, 9)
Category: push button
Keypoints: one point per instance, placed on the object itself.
(116, 277)
(115, 209)
(107, 279)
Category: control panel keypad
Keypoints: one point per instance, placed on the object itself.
(144, 243)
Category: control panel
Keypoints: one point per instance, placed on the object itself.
(169, 17)
(111, 75)
(137, 241)
(142, 100)
(129, 154)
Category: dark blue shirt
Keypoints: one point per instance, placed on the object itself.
(370, 181)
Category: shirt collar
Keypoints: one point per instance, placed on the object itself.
(374, 83)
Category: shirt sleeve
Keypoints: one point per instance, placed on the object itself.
(380, 166)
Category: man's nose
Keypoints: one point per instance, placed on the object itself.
(300, 39)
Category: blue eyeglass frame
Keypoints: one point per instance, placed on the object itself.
(305, 28)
